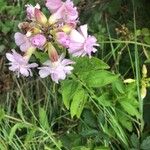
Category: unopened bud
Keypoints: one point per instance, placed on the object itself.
(143, 92)
(40, 17)
(52, 19)
(53, 55)
(144, 71)
(129, 81)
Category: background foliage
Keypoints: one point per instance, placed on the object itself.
(93, 109)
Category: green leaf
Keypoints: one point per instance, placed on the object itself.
(145, 31)
(135, 141)
(129, 108)
(138, 32)
(85, 64)
(98, 78)
(41, 56)
(104, 100)
(118, 86)
(146, 144)
(29, 136)
(68, 88)
(14, 129)
(3, 145)
(78, 102)
(147, 39)
(2, 114)
(125, 121)
(19, 108)
(89, 118)
(43, 118)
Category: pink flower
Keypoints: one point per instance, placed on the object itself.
(22, 41)
(57, 70)
(53, 5)
(20, 64)
(30, 11)
(63, 39)
(66, 13)
(81, 43)
(38, 41)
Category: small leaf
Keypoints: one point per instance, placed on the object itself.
(147, 39)
(146, 144)
(43, 118)
(2, 114)
(14, 129)
(138, 32)
(78, 102)
(135, 140)
(129, 108)
(41, 56)
(19, 108)
(118, 86)
(145, 31)
(89, 118)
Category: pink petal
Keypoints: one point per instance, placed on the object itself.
(9, 57)
(53, 5)
(20, 38)
(24, 71)
(84, 29)
(75, 36)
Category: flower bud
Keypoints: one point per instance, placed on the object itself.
(144, 71)
(30, 11)
(129, 81)
(143, 91)
(52, 19)
(40, 17)
(53, 55)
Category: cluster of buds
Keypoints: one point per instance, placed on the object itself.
(124, 33)
(43, 34)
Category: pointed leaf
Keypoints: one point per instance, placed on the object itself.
(19, 108)
(43, 118)
(98, 78)
(68, 87)
(78, 102)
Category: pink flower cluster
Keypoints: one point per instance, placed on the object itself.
(41, 33)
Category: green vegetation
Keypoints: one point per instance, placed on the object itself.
(93, 109)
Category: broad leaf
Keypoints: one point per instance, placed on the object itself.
(98, 78)
(129, 108)
(104, 100)
(85, 64)
(68, 88)
(77, 104)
